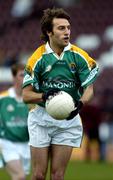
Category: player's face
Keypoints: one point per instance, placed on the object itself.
(60, 36)
(18, 79)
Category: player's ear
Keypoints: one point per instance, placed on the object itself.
(49, 34)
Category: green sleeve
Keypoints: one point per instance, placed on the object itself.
(87, 70)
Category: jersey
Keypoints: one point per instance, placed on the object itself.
(13, 117)
(72, 71)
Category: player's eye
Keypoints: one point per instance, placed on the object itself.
(61, 28)
(69, 27)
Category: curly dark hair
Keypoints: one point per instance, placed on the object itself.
(47, 20)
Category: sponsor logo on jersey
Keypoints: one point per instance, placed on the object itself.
(17, 121)
(59, 84)
(61, 62)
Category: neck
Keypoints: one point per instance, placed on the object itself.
(18, 91)
(58, 50)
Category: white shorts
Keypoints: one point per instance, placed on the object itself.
(42, 135)
(15, 151)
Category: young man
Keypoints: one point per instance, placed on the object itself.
(56, 65)
(14, 149)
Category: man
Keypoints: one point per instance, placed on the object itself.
(56, 65)
(15, 154)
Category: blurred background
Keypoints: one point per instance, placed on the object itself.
(92, 30)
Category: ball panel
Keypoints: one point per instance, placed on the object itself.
(60, 105)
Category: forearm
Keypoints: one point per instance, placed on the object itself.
(88, 94)
(30, 96)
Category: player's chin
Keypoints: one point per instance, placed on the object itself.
(65, 44)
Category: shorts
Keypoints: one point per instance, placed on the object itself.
(44, 136)
(14, 151)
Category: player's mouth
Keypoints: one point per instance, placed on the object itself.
(66, 38)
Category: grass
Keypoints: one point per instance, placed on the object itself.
(89, 171)
(77, 170)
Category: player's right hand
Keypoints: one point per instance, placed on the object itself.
(78, 107)
(51, 92)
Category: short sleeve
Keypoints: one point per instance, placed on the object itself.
(88, 70)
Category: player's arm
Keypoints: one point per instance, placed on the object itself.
(88, 94)
(86, 97)
(30, 96)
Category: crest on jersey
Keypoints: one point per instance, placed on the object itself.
(10, 108)
(73, 67)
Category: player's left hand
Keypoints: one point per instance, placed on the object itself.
(78, 106)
